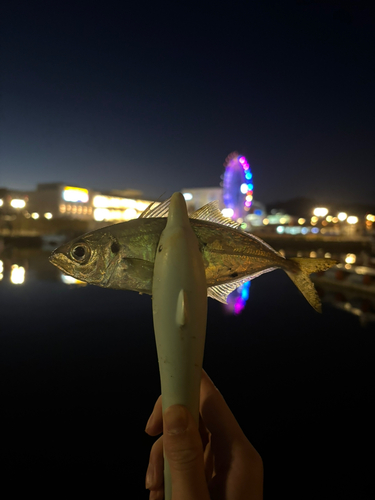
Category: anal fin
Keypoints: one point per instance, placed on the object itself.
(221, 292)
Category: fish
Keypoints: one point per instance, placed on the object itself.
(121, 256)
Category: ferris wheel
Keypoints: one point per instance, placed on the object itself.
(237, 197)
(237, 186)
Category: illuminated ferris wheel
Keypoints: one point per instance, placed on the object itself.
(237, 186)
(237, 197)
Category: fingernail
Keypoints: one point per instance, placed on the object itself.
(176, 419)
(149, 476)
(149, 421)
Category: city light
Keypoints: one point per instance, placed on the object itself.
(342, 216)
(188, 196)
(350, 258)
(301, 220)
(243, 188)
(1, 202)
(101, 214)
(370, 217)
(130, 213)
(16, 203)
(17, 274)
(266, 221)
(320, 211)
(75, 194)
(35, 215)
(48, 215)
(352, 219)
(227, 212)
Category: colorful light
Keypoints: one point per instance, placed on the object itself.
(243, 295)
(238, 198)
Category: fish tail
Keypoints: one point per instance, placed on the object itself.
(300, 277)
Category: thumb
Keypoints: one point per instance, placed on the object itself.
(184, 451)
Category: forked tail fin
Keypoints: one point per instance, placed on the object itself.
(302, 281)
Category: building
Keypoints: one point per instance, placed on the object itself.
(63, 201)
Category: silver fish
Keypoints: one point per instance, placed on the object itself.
(122, 255)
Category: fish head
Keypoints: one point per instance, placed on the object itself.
(91, 258)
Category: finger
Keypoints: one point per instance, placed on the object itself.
(154, 425)
(209, 461)
(221, 422)
(184, 452)
(216, 414)
(203, 432)
(154, 474)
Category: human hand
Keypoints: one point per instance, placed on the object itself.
(214, 462)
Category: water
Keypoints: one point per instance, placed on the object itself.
(79, 378)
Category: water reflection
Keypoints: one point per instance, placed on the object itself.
(69, 280)
(237, 299)
(17, 274)
(350, 288)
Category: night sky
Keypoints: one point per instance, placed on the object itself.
(155, 96)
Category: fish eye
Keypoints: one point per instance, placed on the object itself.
(80, 253)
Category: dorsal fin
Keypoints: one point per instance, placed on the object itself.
(221, 292)
(212, 213)
(161, 210)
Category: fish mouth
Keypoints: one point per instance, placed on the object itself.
(61, 261)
